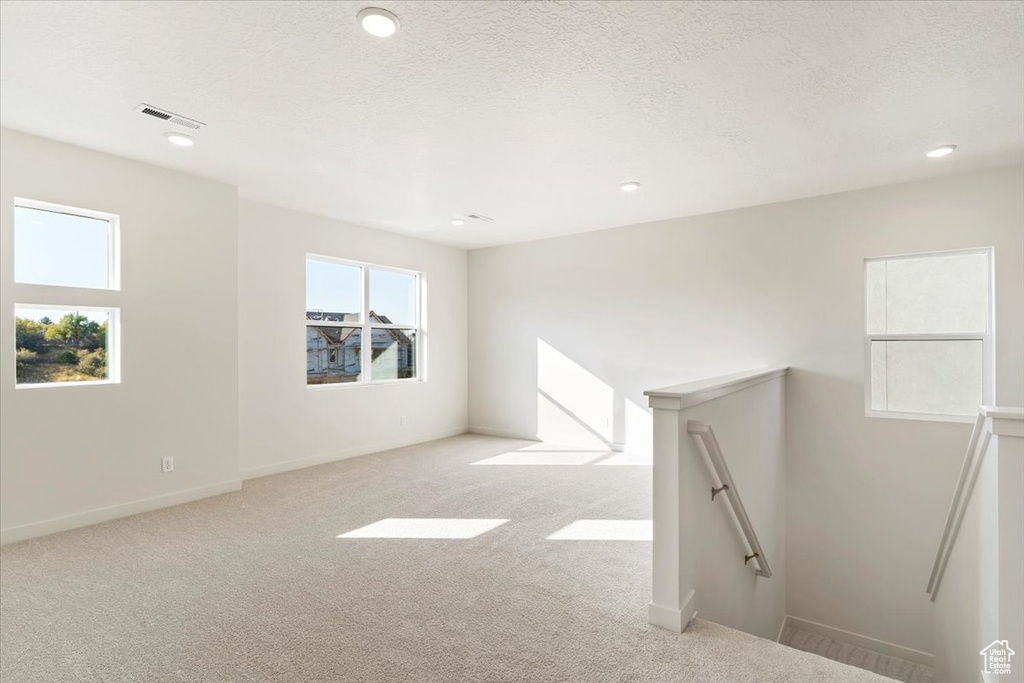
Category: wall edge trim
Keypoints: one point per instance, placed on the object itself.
(105, 514)
(334, 456)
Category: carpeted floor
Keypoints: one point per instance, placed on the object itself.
(893, 667)
(257, 586)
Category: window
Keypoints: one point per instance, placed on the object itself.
(57, 340)
(64, 247)
(347, 303)
(57, 344)
(928, 346)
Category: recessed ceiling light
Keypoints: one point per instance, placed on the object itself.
(457, 222)
(945, 150)
(180, 139)
(631, 186)
(378, 22)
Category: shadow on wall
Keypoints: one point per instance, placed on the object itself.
(576, 408)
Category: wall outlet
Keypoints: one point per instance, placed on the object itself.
(167, 465)
(401, 421)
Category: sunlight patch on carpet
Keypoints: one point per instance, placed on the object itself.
(544, 458)
(425, 528)
(605, 530)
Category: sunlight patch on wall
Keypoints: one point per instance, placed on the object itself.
(639, 428)
(556, 425)
(605, 530)
(425, 528)
(573, 406)
(580, 411)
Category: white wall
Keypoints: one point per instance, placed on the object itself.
(980, 598)
(80, 454)
(283, 423)
(658, 304)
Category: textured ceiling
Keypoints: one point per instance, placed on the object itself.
(531, 113)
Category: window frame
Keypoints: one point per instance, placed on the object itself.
(986, 338)
(366, 327)
(113, 240)
(113, 346)
(43, 296)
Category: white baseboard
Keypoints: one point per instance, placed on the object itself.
(782, 627)
(671, 619)
(506, 433)
(859, 640)
(80, 519)
(324, 458)
(665, 617)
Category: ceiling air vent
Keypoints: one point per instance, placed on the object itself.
(479, 217)
(165, 115)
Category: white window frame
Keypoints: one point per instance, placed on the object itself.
(113, 240)
(113, 347)
(53, 297)
(986, 339)
(366, 327)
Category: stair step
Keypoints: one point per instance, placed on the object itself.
(862, 658)
(737, 657)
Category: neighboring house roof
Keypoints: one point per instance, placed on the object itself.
(398, 335)
(331, 316)
(336, 335)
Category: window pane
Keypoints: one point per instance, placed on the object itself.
(332, 354)
(932, 377)
(874, 290)
(928, 294)
(394, 354)
(393, 297)
(54, 345)
(60, 249)
(333, 291)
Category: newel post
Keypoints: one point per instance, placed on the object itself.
(675, 545)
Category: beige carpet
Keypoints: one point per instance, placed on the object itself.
(893, 667)
(256, 586)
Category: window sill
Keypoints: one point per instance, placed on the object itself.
(50, 385)
(351, 385)
(65, 288)
(922, 417)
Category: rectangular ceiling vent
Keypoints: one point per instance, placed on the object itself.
(479, 217)
(170, 117)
